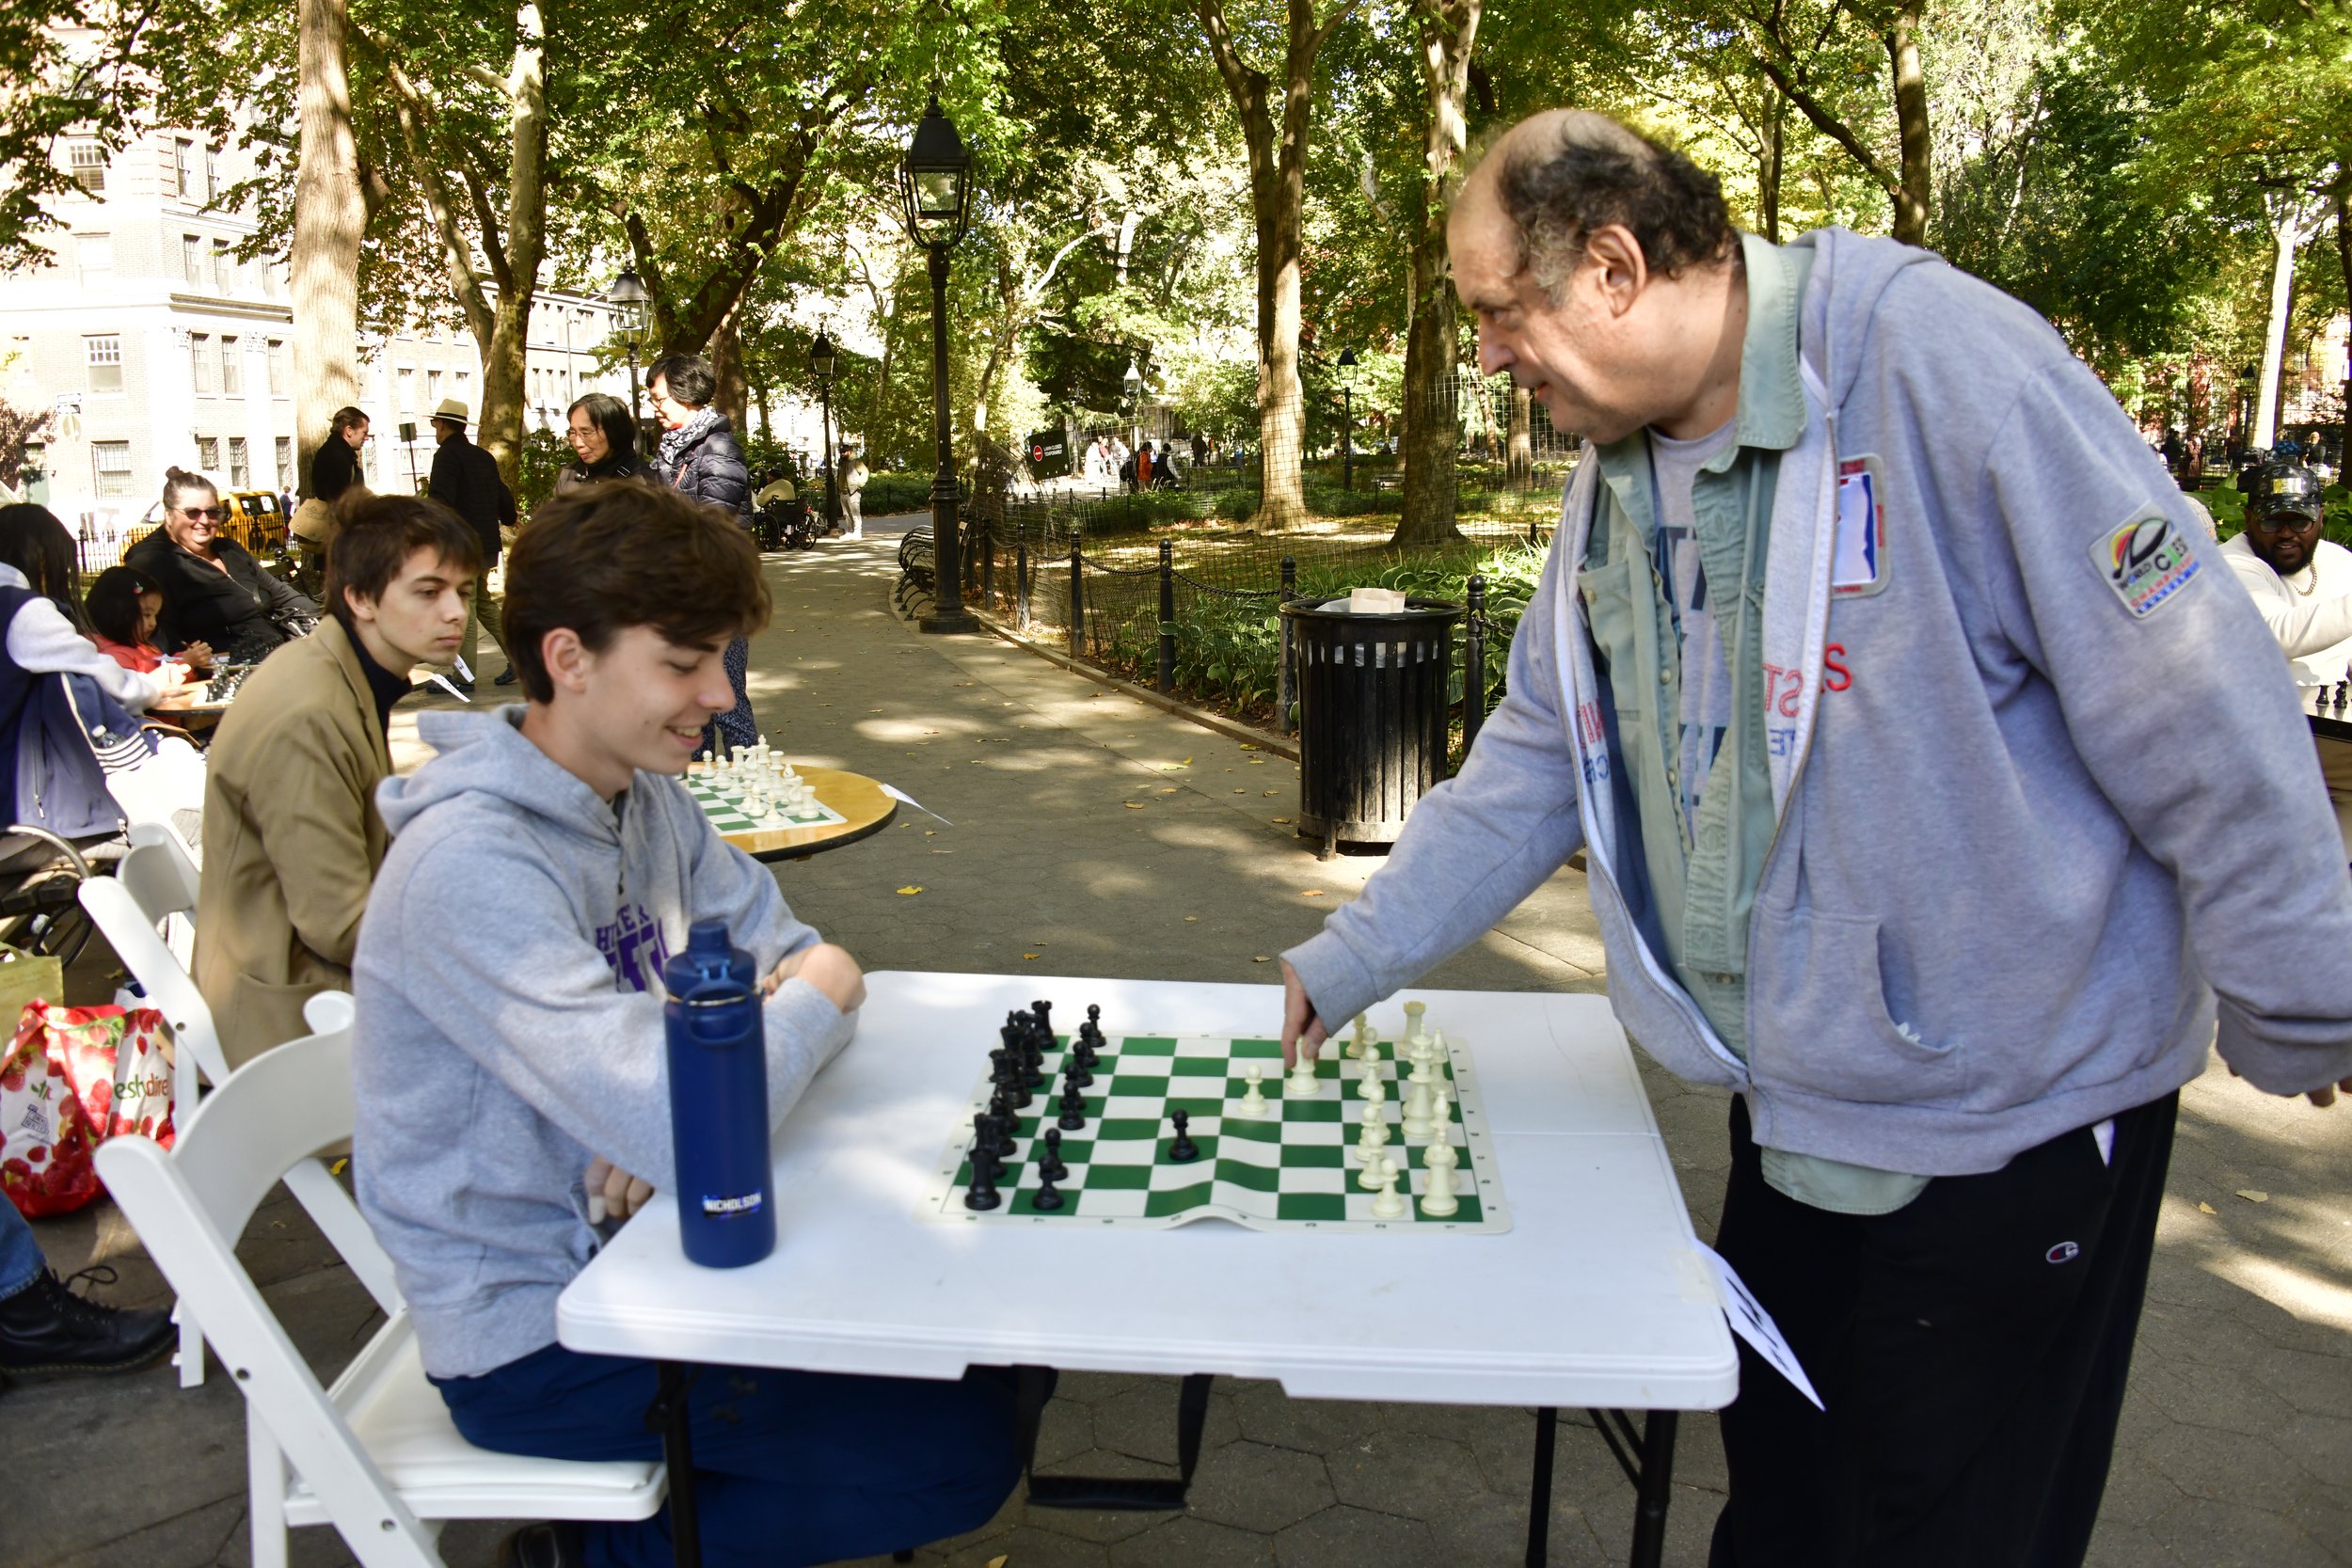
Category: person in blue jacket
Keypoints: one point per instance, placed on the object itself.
(698, 456)
(1941, 794)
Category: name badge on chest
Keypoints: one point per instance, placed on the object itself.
(1859, 566)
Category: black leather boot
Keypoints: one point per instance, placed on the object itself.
(551, 1546)
(45, 1327)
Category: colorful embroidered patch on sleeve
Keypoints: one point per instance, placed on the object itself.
(2147, 561)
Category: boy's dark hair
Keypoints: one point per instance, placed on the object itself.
(377, 536)
(602, 558)
(113, 603)
(345, 417)
(691, 379)
(1591, 177)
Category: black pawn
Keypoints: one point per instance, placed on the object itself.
(1049, 1163)
(1183, 1151)
(1074, 1110)
(1047, 1197)
(1079, 1072)
(1095, 1020)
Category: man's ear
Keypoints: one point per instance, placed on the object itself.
(361, 607)
(568, 660)
(1614, 267)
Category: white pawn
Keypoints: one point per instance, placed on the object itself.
(1303, 1083)
(1387, 1204)
(1361, 1046)
(1253, 1101)
(1439, 1201)
(1374, 1168)
(1374, 1089)
(1374, 1133)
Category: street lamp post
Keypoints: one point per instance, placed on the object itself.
(821, 360)
(627, 298)
(35, 478)
(1347, 419)
(936, 192)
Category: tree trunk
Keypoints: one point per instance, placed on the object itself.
(330, 216)
(1521, 447)
(1910, 126)
(1277, 192)
(1767, 176)
(1448, 34)
(2344, 261)
(725, 350)
(2289, 229)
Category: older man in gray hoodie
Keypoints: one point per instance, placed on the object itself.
(1899, 708)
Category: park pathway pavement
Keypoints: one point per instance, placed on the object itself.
(1094, 834)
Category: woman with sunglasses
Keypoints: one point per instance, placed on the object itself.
(601, 439)
(215, 591)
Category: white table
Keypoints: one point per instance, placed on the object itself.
(1595, 1298)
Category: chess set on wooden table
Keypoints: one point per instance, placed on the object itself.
(1382, 1133)
(749, 788)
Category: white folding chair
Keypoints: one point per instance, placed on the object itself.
(156, 881)
(377, 1455)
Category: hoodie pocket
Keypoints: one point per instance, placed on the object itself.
(1817, 1003)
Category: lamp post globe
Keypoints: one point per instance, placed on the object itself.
(1132, 382)
(628, 298)
(33, 476)
(1347, 419)
(821, 360)
(935, 198)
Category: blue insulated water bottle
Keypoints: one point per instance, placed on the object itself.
(718, 1101)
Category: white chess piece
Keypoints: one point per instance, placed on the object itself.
(1440, 1058)
(1378, 1166)
(1303, 1083)
(1374, 1133)
(1414, 1014)
(1253, 1101)
(1420, 1101)
(1360, 1047)
(1439, 1201)
(1387, 1204)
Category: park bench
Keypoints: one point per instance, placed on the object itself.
(917, 574)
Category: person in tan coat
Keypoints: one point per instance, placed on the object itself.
(291, 839)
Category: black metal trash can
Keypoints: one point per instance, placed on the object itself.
(1373, 702)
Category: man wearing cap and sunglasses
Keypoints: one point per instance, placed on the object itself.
(466, 480)
(2301, 582)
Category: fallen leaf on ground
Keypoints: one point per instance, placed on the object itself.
(1247, 747)
(1272, 793)
(1283, 820)
(1191, 919)
(930, 832)
(1259, 959)
(1132, 805)
(2207, 1209)
(2252, 1196)
(1169, 790)
(1241, 792)
(1028, 955)
(1000, 1559)
(909, 889)
(1311, 893)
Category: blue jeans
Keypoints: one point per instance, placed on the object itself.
(790, 1468)
(735, 727)
(21, 1262)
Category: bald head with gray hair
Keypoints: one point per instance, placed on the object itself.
(1562, 175)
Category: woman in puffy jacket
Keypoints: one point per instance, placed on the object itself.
(699, 457)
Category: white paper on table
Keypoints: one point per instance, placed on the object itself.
(1753, 1323)
(898, 794)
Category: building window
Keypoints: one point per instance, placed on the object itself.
(212, 175)
(208, 453)
(285, 462)
(240, 469)
(192, 259)
(433, 388)
(94, 255)
(407, 390)
(88, 162)
(105, 363)
(280, 379)
(232, 366)
(110, 467)
(184, 167)
(224, 269)
(201, 360)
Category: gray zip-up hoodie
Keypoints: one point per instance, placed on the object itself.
(508, 986)
(2037, 799)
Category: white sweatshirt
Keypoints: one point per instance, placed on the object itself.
(2314, 629)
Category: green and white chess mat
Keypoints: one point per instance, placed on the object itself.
(1294, 1168)
(726, 812)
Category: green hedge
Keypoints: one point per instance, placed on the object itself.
(888, 494)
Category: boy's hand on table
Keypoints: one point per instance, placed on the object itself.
(829, 968)
(612, 1192)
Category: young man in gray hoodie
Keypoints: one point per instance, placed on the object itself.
(492, 1076)
(1903, 715)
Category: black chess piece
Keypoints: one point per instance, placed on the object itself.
(1074, 1110)
(983, 1192)
(1182, 1150)
(1009, 1080)
(1034, 1044)
(1095, 1020)
(1044, 1011)
(1078, 1074)
(1047, 1197)
(1049, 1163)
